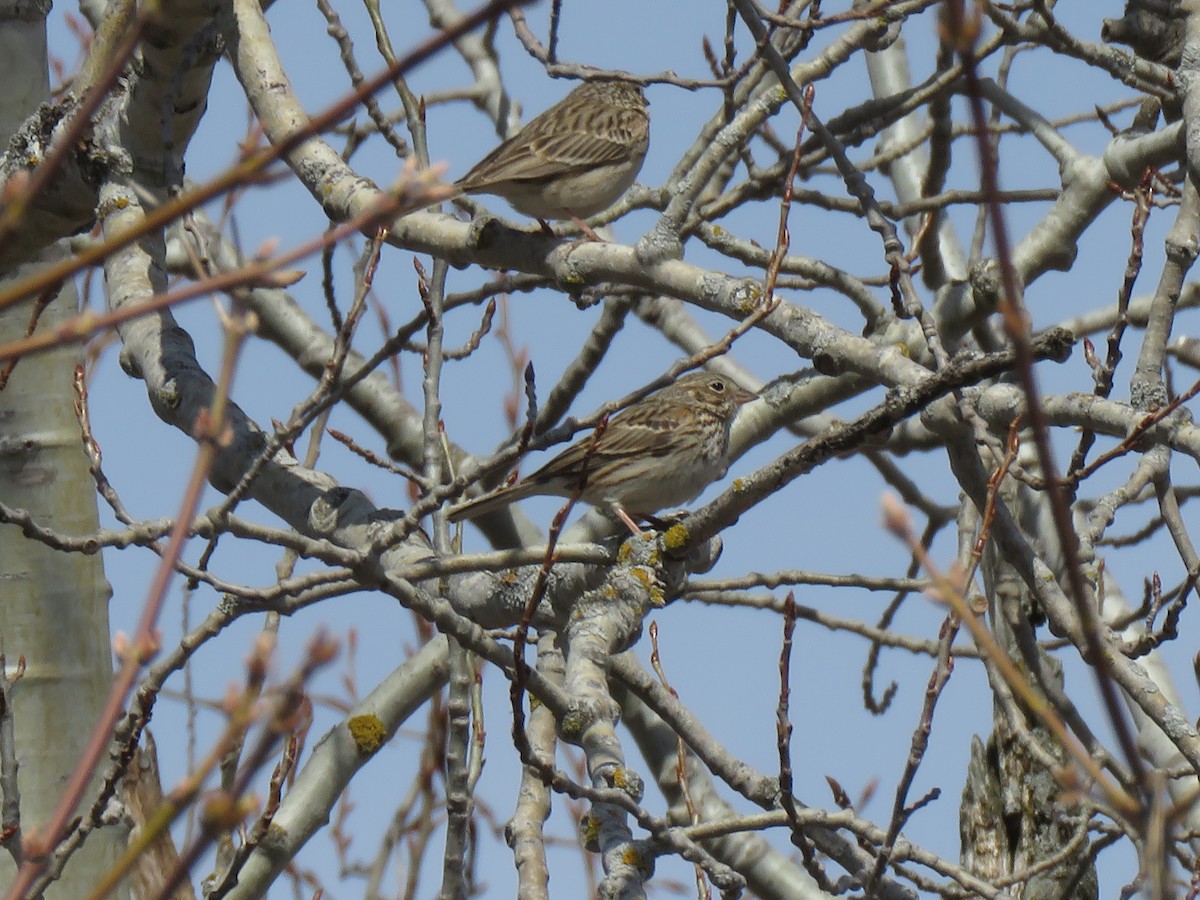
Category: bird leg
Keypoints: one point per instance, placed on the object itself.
(586, 229)
(629, 523)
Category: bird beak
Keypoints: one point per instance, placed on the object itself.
(742, 396)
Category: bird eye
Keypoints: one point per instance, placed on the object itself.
(717, 385)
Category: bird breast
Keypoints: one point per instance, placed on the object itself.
(583, 193)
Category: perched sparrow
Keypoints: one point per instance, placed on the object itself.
(572, 161)
(658, 452)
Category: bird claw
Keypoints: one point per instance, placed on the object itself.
(589, 233)
(656, 523)
(663, 523)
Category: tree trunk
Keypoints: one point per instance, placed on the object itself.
(53, 605)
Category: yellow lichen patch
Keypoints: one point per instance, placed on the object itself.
(739, 485)
(676, 538)
(589, 830)
(626, 780)
(625, 552)
(747, 301)
(572, 725)
(633, 857)
(368, 733)
(646, 576)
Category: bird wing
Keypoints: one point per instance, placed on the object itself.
(590, 458)
(621, 444)
(539, 153)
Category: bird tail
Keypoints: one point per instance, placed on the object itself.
(488, 502)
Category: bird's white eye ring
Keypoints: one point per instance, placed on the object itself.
(717, 385)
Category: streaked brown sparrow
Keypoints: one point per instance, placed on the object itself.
(659, 452)
(572, 161)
